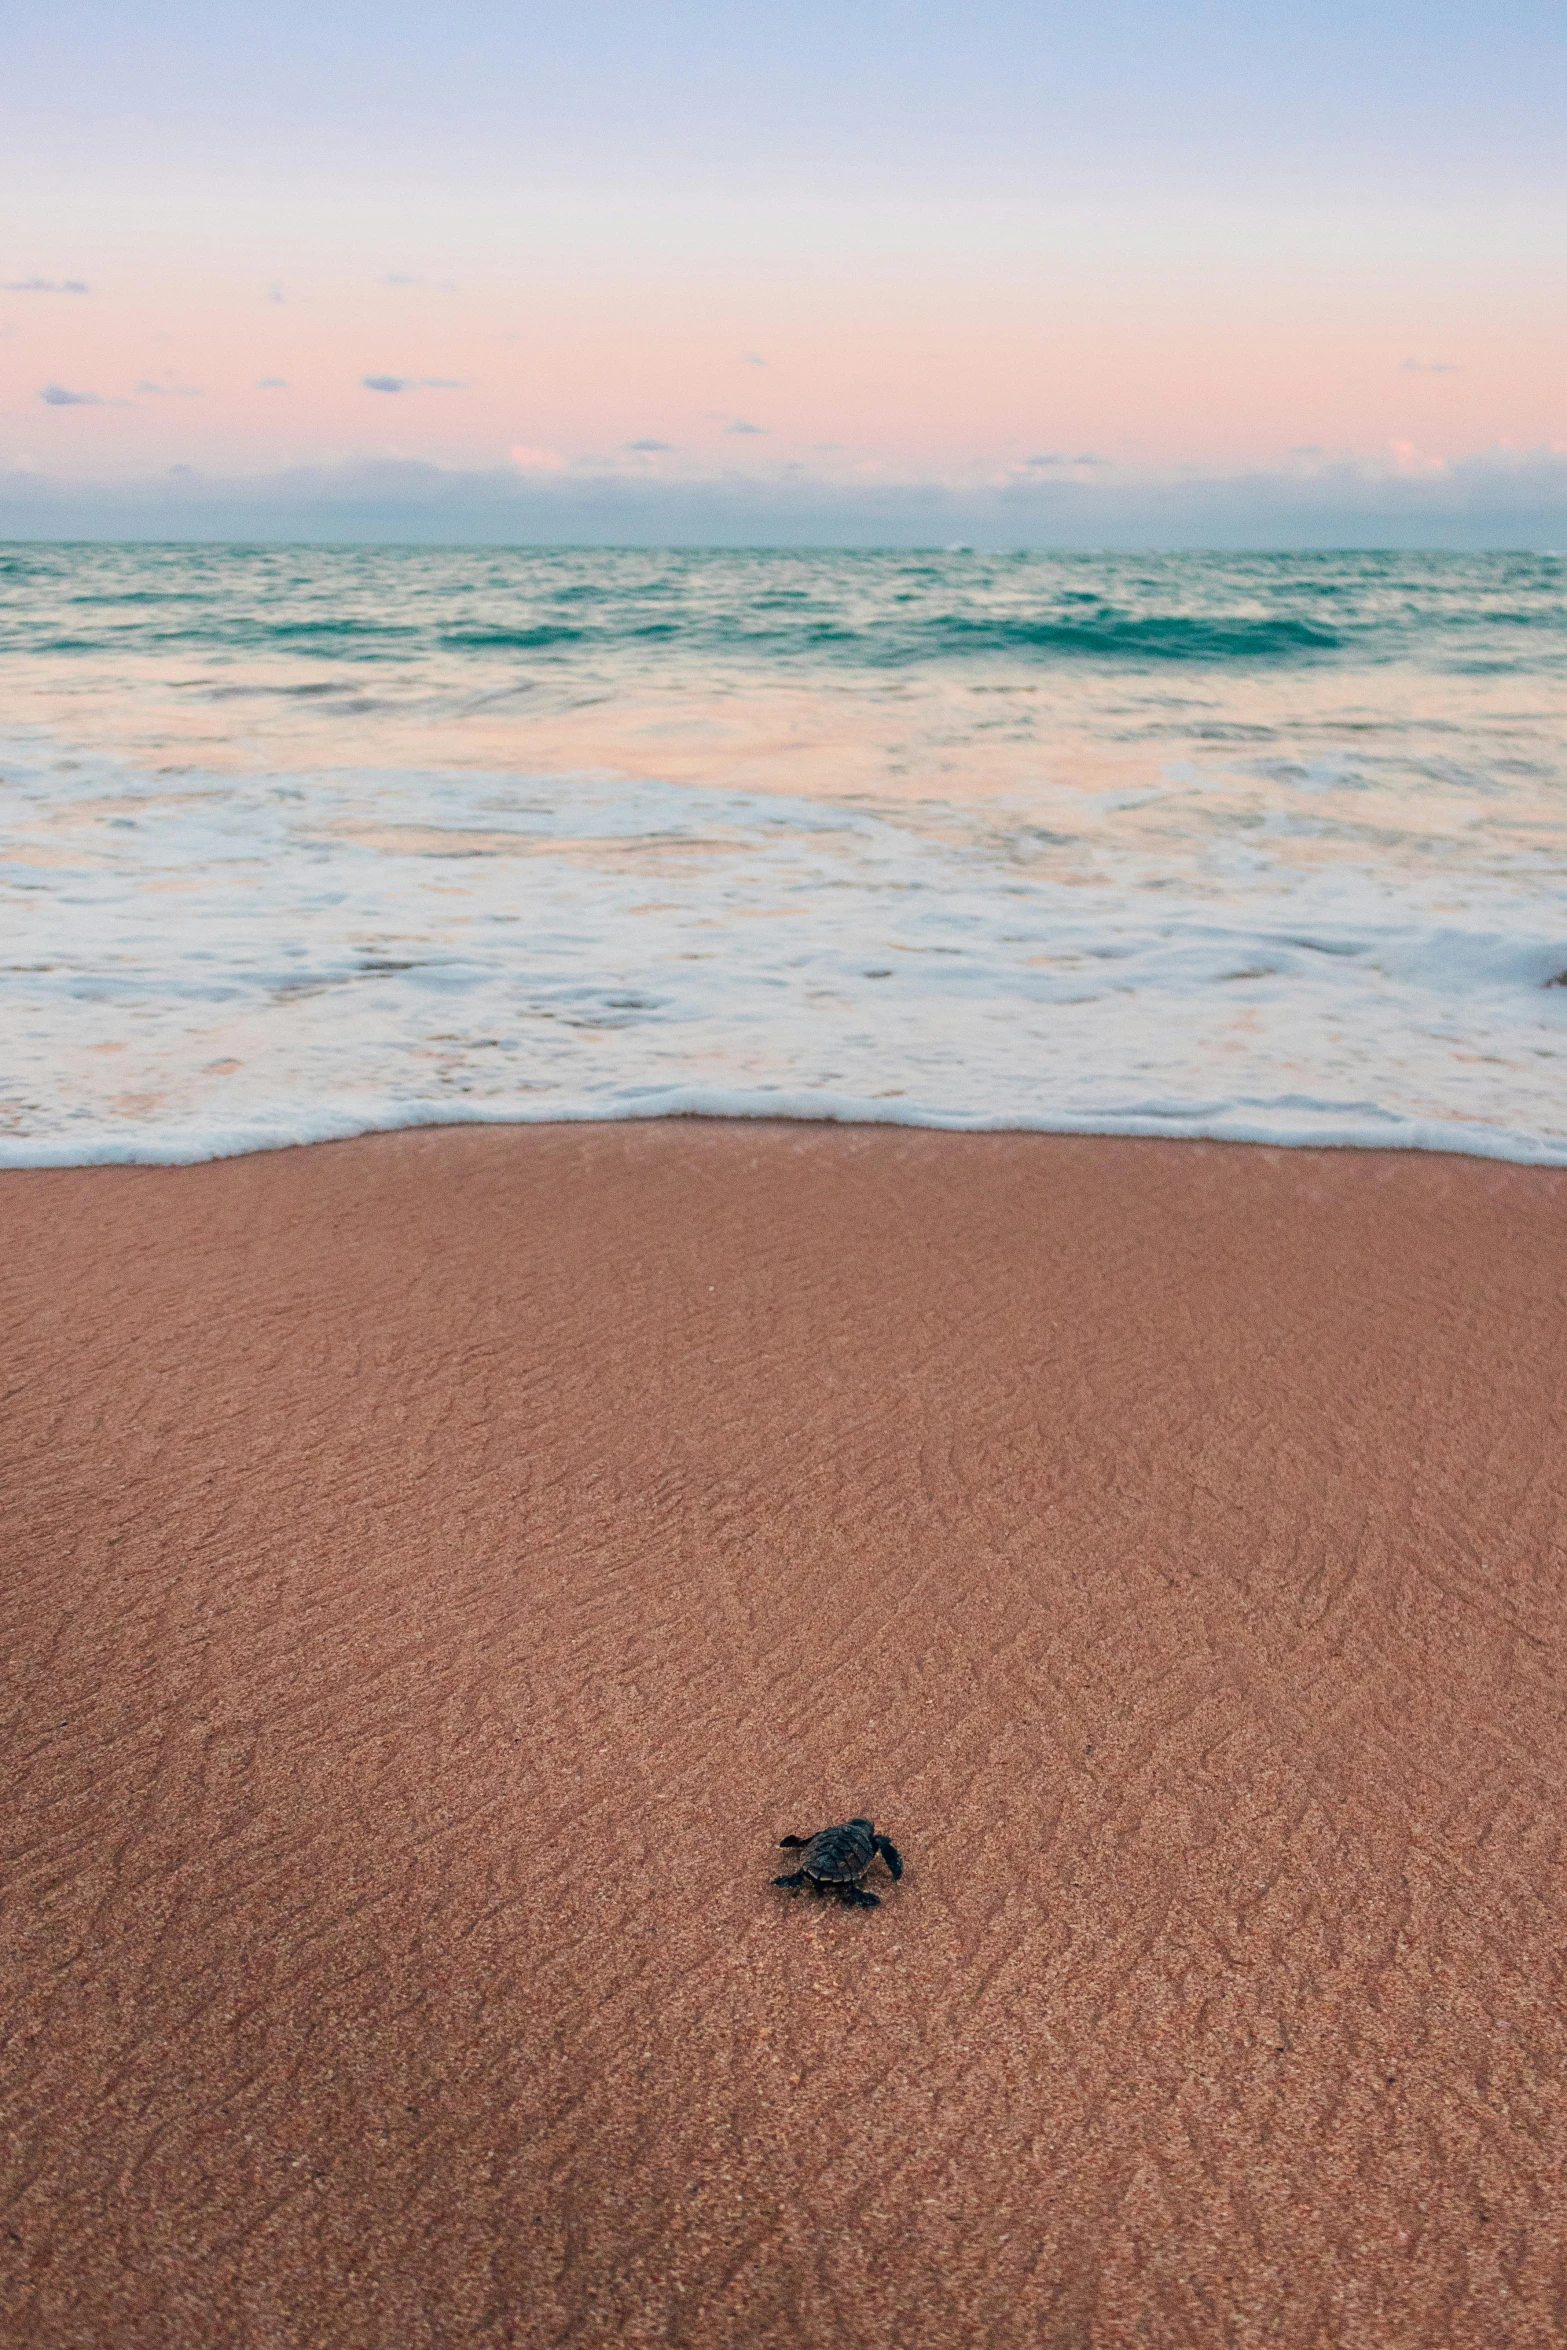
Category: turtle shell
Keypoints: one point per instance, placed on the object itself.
(836, 1856)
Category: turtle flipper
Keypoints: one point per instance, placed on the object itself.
(797, 1879)
(856, 1897)
(889, 1853)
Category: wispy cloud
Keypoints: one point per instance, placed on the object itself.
(1047, 457)
(43, 285)
(411, 277)
(740, 425)
(650, 448)
(413, 383)
(57, 396)
(275, 290)
(169, 391)
(753, 358)
(1430, 367)
(272, 383)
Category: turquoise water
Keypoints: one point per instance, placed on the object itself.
(303, 842)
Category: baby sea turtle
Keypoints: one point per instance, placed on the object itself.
(837, 1858)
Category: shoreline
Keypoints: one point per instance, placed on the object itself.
(1439, 1137)
(444, 1563)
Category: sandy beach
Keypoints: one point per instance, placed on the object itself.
(439, 1567)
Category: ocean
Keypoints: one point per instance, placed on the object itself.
(303, 842)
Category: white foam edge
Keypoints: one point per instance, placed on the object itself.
(1333, 1127)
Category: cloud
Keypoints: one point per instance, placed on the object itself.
(1430, 367)
(169, 391)
(1494, 498)
(1409, 459)
(409, 277)
(272, 383)
(740, 425)
(413, 383)
(56, 396)
(275, 290)
(650, 448)
(753, 358)
(1054, 457)
(43, 285)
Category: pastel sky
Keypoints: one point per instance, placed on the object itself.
(661, 250)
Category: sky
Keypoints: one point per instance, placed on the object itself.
(1225, 273)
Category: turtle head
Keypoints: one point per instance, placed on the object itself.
(858, 1822)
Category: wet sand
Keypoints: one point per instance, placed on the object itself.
(438, 1567)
